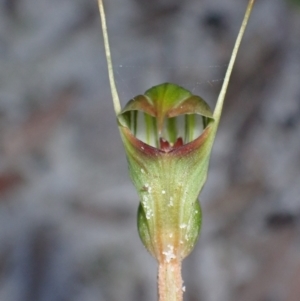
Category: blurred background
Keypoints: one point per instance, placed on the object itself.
(67, 206)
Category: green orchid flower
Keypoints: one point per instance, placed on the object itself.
(168, 165)
(168, 134)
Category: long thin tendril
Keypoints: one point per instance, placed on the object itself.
(219, 105)
(114, 92)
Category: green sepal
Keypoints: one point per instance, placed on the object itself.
(169, 178)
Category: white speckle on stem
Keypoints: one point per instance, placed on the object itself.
(149, 213)
(169, 253)
(182, 226)
(147, 208)
(163, 192)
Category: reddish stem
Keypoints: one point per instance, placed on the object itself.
(170, 281)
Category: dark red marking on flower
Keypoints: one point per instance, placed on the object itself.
(167, 147)
(192, 146)
(179, 149)
(178, 142)
(141, 146)
(164, 145)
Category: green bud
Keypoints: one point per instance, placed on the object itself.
(167, 137)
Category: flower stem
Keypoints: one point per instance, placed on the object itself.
(170, 281)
